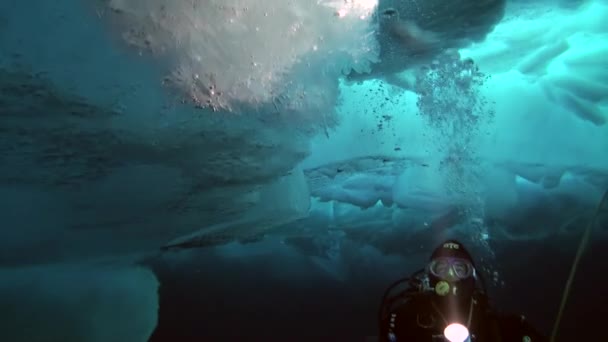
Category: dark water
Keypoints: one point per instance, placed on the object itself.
(276, 299)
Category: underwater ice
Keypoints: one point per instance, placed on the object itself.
(105, 158)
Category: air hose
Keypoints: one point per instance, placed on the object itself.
(602, 207)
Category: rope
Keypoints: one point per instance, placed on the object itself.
(577, 259)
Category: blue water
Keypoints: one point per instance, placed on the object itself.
(223, 300)
(231, 170)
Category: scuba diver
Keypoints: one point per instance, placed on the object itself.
(447, 302)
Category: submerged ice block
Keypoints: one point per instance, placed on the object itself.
(277, 203)
(78, 302)
(423, 188)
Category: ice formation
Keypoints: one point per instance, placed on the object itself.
(111, 147)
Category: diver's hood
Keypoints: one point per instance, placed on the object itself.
(452, 248)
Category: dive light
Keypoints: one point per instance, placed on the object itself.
(456, 332)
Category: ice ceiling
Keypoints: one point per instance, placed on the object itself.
(132, 125)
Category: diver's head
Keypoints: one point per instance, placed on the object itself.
(451, 271)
